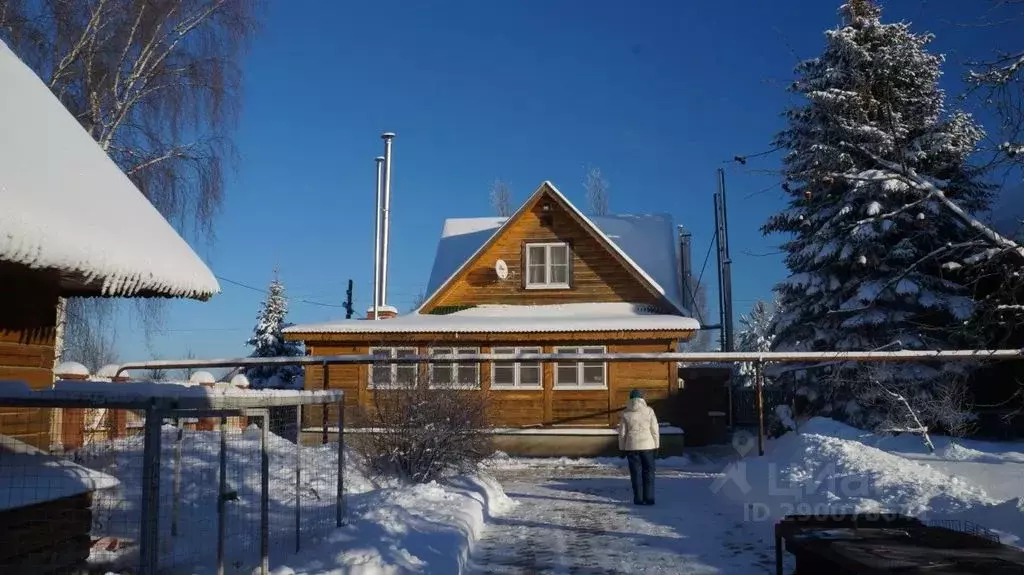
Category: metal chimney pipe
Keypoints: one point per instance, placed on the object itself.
(386, 218)
(376, 236)
(686, 271)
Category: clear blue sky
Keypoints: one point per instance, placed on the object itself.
(655, 93)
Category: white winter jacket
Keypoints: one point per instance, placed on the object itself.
(638, 427)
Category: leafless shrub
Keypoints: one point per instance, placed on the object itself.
(886, 405)
(597, 192)
(421, 432)
(951, 408)
(501, 198)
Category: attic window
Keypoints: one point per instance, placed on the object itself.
(547, 265)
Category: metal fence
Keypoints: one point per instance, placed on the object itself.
(166, 481)
(744, 404)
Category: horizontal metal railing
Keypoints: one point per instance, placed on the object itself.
(734, 357)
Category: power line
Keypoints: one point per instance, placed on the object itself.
(706, 256)
(264, 292)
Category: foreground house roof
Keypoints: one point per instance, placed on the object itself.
(559, 318)
(66, 206)
(647, 243)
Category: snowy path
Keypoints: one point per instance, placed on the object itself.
(582, 521)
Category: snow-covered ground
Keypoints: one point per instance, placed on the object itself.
(714, 514)
(581, 519)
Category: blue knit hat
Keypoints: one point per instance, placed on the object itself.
(636, 394)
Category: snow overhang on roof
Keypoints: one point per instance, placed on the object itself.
(563, 318)
(29, 476)
(648, 243)
(66, 206)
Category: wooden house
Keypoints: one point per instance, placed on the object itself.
(71, 224)
(546, 279)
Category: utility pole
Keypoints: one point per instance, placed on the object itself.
(348, 301)
(724, 265)
(724, 280)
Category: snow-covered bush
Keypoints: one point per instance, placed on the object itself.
(422, 432)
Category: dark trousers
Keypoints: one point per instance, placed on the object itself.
(641, 475)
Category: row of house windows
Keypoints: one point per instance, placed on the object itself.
(510, 375)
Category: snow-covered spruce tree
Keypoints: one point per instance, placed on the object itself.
(267, 341)
(869, 253)
(756, 333)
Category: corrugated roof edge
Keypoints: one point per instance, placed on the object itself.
(339, 328)
(677, 306)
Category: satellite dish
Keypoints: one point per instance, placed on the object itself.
(501, 269)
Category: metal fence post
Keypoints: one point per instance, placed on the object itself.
(759, 383)
(326, 381)
(340, 502)
(222, 494)
(149, 537)
(265, 494)
(175, 504)
(298, 478)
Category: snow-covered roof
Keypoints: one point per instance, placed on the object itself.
(29, 476)
(561, 318)
(66, 206)
(646, 242)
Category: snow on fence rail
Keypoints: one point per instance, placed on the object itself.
(183, 490)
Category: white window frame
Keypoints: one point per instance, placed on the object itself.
(547, 283)
(393, 382)
(517, 366)
(578, 384)
(455, 367)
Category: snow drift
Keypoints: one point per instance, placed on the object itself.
(831, 468)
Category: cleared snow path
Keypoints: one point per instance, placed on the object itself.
(582, 521)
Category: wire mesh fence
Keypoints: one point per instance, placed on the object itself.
(173, 488)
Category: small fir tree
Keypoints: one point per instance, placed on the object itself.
(267, 341)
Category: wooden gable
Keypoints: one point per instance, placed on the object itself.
(598, 273)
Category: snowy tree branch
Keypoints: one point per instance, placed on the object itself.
(932, 191)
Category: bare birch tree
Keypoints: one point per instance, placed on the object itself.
(157, 83)
(501, 198)
(998, 81)
(597, 192)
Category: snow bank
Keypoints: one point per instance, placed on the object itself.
(501, 460)
(390, 527)
(427, 528)
(29, 475)
(829, 468)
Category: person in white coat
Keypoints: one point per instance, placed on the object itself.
(639, 440)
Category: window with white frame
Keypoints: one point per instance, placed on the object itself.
(516, 375)
(581, 374)
(384, 374)
(547, 265)
(455, 374)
